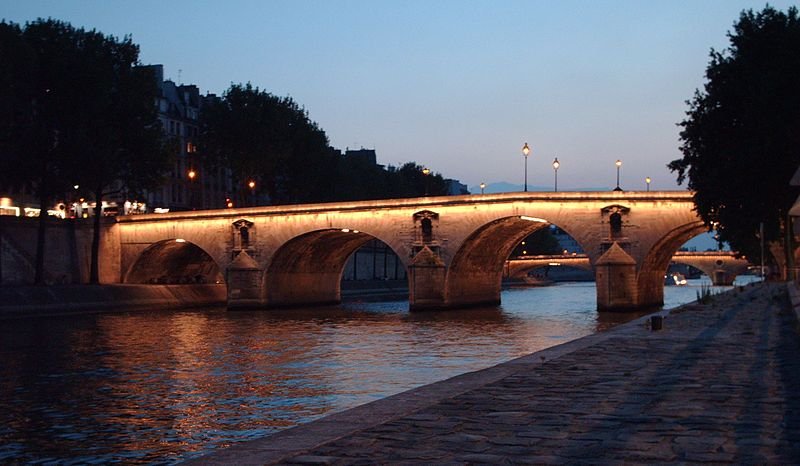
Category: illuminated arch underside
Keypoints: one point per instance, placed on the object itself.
(476, 272)
(174, 262)
(650, 279)
(308, 269)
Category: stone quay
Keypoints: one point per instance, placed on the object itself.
(718, 383)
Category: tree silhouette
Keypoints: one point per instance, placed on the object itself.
(81, 112)
(269, 138)
(741, 134)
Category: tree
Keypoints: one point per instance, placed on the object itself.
(411, 181)
(30, 131)
(86, 115)
(272, 141)
(742, 132)
(358, 179)
(269, 139)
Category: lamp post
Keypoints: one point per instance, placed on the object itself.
(426, 171)
(618, 163)
(192, 174)
(75, 204)
(648, 180)
(252, 186)
(483, 186)
(556, 164)
(525, 152)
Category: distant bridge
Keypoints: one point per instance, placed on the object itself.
(721, 267)
(454, 248)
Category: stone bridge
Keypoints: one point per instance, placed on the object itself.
(721, 267)
(454, 248)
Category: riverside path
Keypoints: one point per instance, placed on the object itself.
(718, 383)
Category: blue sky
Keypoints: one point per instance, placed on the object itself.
(457, 86)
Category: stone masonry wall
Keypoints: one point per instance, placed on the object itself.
(67, 251)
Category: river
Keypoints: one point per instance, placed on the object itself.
(160, 387)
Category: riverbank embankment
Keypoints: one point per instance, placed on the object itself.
(718, 383)
(36, 301)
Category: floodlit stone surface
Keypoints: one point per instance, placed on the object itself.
(302, 249)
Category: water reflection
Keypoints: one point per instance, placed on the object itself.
(159, 386)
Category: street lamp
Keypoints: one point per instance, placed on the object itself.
(556, 164)
(252, 185)
(192, 174)
(618, 163)
(525, 152)
(75, 205)
(483, 186)
(426, 171)
(648, 180)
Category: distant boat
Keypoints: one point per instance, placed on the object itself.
(675, 279)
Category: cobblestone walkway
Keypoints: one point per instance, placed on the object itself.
(720, 383)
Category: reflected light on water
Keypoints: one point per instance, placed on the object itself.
(164, 386)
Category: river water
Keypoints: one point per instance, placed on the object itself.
(160, 387)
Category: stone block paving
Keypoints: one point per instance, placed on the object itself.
(720, 383)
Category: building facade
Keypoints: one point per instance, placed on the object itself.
(190, 185)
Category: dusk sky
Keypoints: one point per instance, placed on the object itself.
(457, 86)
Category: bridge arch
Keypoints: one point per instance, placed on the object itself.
(721, 267)
(174, 261)
(308, 268)
(650, 280)
(475, 273)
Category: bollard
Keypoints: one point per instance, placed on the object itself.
(656, 322)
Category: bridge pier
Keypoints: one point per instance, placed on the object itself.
(615, 277)
(651, 289)
(426, 281)
(620, 288)
(244, 283)
(722, 278)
